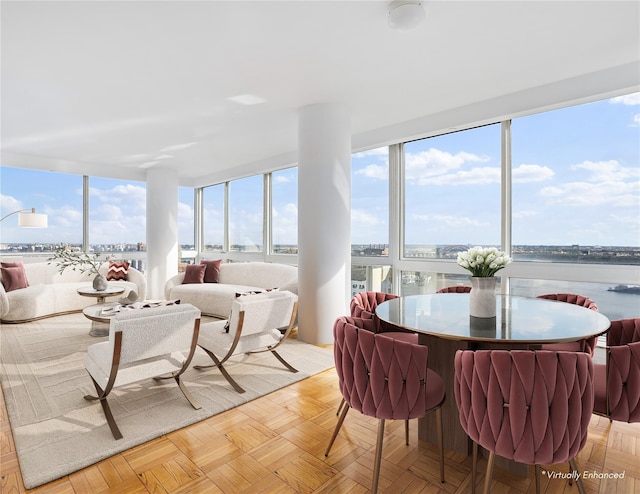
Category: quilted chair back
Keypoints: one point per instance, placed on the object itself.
(618, 383)
(587, 345)
(455, 289)
(154, 331)
(571, 298)
(363, 304)
(379, 376)
(530, 406)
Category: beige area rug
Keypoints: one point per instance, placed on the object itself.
(57, 431)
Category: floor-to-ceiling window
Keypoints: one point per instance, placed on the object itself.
(213, 219)
(117, 215)
(246, 214)
(576, 188)
(370, 221)
(186, 225)
(284, 211)
(451, 201)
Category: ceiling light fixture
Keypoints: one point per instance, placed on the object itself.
(405, 15)
(247, 99)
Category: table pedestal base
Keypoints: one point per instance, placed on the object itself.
(99, 328)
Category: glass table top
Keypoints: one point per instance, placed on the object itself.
(518, 319)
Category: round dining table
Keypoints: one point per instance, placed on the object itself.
(443, 323)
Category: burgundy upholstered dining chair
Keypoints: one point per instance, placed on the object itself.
(531, 406)
(617, 383)
(588, 345)
(455, 289)
(385, 378)
(363, 306)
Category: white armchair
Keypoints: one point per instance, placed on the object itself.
(252, 327)
(156, 342)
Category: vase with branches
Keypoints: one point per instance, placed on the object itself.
(64, 258)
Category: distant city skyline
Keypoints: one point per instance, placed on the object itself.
(575, 173)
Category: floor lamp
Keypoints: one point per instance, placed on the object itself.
(28, 218)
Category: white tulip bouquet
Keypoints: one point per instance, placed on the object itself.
(483, 262)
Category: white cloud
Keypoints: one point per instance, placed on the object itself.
(289, 210)
(630, 220)
(606, 171)
(579, 194)
(9, 204)
(279, 178)
(185, 212)
(450, 220)
(525, 214)
(531, 173)
(636, 120)
(627, 99)
(483, 176)
(375, 171)
(380, 152)
(364, 219)
(130, 196)
(420, 167)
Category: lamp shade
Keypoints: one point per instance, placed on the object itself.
(405, 15)
(32, 220)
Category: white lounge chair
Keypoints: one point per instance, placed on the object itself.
(252, 327)
(156, 342)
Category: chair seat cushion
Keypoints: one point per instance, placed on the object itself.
(214, 338)
(97, 361)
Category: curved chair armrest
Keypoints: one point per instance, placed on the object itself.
(172, 282)
(135, 276)
(4, 301)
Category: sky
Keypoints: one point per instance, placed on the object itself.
(575, 172)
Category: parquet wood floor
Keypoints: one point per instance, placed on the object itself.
(276, 445)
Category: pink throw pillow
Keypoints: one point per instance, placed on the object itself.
(193, 273)
(212, 271)
(14, 277)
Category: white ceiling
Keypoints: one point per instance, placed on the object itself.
(113, 88)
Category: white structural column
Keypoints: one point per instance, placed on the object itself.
(324, 219)
(162, 229)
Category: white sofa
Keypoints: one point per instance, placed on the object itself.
(216, 299)
(50, 293)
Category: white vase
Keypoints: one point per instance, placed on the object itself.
(100, 283)
(482, 298)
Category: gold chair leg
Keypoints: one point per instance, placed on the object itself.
(284, 362)
(489, 474)
(340, 407)
(440, 434)
(474, 467)
(378, 460)
(111, 422)
(337, 429)
(187, 394)
(223, 371)
(536, 474)
(579, 483)
(406, 432)
(182, 387)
